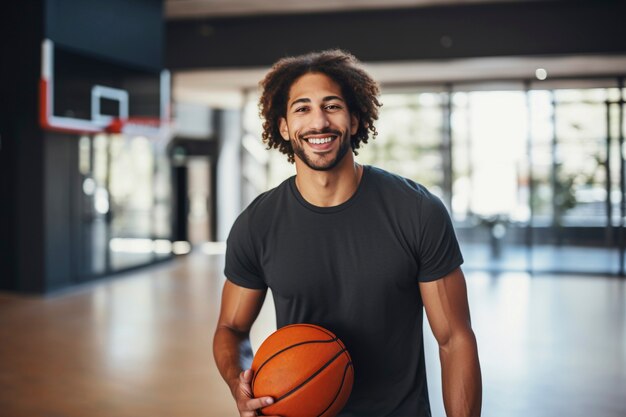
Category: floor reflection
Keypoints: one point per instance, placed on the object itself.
(140, 345)
(549, 346)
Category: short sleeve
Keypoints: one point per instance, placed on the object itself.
(439, 252)
(242, 266)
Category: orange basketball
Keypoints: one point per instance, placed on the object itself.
(306, 369)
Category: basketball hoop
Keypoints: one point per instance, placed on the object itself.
(122, 90)
(137, 126)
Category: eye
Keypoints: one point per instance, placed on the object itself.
(333, 107)
(301, 109)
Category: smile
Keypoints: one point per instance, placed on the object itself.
(320, 141)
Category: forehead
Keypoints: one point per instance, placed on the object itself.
(314, 85)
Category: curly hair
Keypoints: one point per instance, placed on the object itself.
(358, 88)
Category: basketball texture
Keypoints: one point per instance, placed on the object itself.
(306, 369)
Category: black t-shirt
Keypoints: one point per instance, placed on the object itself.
(353, 269)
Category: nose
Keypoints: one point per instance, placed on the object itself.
(319, 119)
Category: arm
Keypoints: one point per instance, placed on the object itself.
(231, 344)
(445, 301)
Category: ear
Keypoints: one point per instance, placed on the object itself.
(354, 123)
(284, 129)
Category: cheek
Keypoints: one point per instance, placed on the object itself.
(345, 123)
(294, 130)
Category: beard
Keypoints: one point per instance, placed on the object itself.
(327, 161)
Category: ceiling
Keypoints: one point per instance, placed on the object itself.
(181, 9)
(227, 87)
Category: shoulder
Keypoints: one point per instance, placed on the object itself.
(404, 196)
(266, 202)
(394, 185)
(263, 208)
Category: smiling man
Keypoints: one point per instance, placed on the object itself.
(321, 141)
(352, 248)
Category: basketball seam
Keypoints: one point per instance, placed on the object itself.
(343, 380)
(316, 373)
(312, 326)
(284, 350)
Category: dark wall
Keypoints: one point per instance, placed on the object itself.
(37, 168)
(62, 185)
(444, 32)
(121, 30)
(21, 152)
(122, 35)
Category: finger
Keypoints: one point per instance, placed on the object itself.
(245, 384)
(256, 403)
(246, 376)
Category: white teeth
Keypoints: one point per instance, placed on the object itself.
(319, 141)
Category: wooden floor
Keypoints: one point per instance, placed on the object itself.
(139, 345)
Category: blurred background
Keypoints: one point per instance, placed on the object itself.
(130, 142)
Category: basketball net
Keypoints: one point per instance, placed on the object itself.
(151, 127)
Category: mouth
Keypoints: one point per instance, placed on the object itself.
(320, 140)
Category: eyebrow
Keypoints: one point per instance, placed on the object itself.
(308, 100)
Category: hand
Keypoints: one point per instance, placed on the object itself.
(246, 404)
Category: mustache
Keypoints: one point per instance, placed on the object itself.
(319, 132)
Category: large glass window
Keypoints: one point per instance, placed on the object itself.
(490, 189)
(531, 174)
(409, 141)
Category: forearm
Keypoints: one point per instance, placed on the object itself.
(461, 378)
(233, 353)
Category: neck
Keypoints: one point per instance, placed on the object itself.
(329, 188)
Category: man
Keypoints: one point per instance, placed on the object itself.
(355, 249)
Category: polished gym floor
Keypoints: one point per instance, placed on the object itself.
(139, 345)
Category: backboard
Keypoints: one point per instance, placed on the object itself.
(85, 94)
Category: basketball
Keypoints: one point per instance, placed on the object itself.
(306, 369)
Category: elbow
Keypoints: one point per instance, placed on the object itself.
(457, 339)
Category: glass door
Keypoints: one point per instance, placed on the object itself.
(125, 204)
(575, 167)
(131, 191)
(490, 189)
(93, 207)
